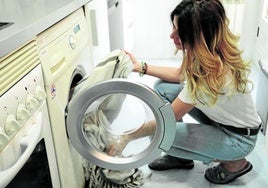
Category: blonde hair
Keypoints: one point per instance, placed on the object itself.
(209, 49)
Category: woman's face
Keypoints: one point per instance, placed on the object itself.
(174, 35)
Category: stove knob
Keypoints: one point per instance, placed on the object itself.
(12, 125)
(31, 102)
(3, 139)
(40, 94)
(22, 112)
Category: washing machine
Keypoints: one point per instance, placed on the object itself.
(106, 106)
(103, 97)
(65, 53)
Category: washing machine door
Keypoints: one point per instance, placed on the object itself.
(100, 117)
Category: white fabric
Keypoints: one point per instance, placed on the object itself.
(234, 108)
(115, 65)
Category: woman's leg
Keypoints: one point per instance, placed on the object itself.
(168, 92)
(208, 143)
(232, 153)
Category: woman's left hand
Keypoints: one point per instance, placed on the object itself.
(137, 67)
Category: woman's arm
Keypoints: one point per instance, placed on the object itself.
(179, 107)
(170, 74)
(117, 146)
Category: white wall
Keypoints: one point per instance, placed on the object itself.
(249, 28)
(152, 28)
(260, 54)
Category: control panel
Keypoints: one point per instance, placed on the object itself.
(17, 106)
(61, 46)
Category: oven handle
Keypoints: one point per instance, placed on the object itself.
(27, 144)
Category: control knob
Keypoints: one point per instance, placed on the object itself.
(72, 42)
(22, 112)
(3, 139)
(11, 125)
(39, 94)
(31, 102)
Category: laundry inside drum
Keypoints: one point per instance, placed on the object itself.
(110, 121)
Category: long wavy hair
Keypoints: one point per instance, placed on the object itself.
(209, 50)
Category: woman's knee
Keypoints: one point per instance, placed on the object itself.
(167, 90)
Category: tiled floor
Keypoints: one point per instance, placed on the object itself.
(194, 178)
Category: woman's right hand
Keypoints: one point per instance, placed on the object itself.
(117, 146)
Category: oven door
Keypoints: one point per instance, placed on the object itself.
(100, 116)
(26, 154)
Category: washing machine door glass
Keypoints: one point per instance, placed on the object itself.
(103, 119)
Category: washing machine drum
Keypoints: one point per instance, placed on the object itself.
(102, 115)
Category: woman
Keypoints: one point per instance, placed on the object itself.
(216, 84)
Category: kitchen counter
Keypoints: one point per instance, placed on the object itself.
(28, 18)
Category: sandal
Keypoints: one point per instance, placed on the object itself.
(220, 175)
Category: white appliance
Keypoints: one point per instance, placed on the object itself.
(261, 60)
(106, 106)
(121, 24)
(97, 17)
(27, 156)
(65, 52)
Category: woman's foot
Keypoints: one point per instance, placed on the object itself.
(168, 162)
(234, 166)
(227, 172)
